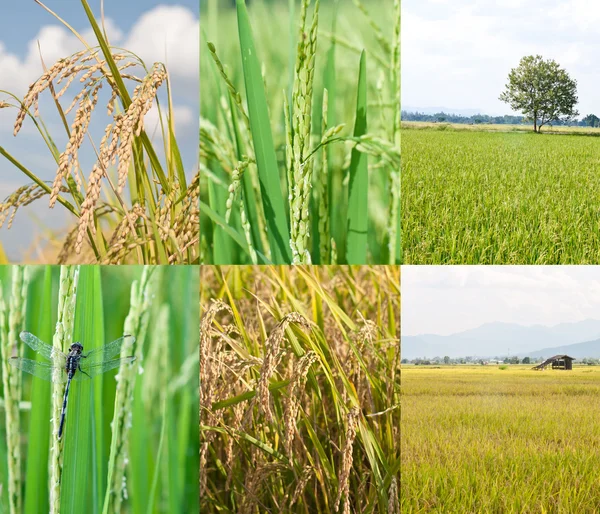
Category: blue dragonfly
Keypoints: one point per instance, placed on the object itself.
(74, 365)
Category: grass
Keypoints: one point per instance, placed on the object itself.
(478, 439)
(131, 207)
(113, 455)
(300, 142)
(299, 372)
(474, 197)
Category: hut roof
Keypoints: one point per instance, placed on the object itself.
(558, 357)
(552, 359)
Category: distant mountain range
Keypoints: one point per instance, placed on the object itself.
(581, 339)
(578, 350)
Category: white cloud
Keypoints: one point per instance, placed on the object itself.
(169, 34)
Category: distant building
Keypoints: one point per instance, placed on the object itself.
(558, 362)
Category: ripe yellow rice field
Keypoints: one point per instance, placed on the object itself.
(485, 439)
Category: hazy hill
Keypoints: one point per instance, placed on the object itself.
(578, 350)
(493, 339)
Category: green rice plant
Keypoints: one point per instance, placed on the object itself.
(283, 180)
(491, 197)
(299, 389)
(123, 448)
(477, 439)
(11, 321)
(132, 207)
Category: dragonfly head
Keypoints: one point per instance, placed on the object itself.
(76, 347)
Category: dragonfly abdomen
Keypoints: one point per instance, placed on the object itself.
(64, 407)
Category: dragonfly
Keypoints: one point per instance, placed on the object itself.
(74, 365)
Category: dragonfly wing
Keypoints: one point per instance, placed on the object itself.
(43, 370)
(45, 350)
(107, 352)
(99, 368)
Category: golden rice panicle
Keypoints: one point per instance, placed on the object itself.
(307, 474)
(344, 487)
(79, 128)
(238, 412)
(22, 196)
(133, 122)
(186, 224)
(206, 332)
(295, 391)
(208, 377)
(272, 358)
(165, 212)
(121, 241)
(88, 205)
(40, 85)
(393, 505)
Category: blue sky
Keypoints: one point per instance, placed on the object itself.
(458, 53)
(158, 30)
(448, 299)
(22, 19)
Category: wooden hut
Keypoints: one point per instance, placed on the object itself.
(558, 362)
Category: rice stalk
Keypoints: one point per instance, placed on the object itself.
(12, 317)
(136, 325)
(301, 169)
(344, 487)
(61, 340)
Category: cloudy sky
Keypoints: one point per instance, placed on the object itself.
(448, 299)
(156, 30)
(458, 53)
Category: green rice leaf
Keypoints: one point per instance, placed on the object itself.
(266, 159)
(79, 472)
(356, 251)
(40, 321)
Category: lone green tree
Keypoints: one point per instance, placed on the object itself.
(541, 90)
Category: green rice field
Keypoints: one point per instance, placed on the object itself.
(475, 197)
(513, 440)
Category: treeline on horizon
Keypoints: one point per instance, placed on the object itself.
(588, 361)
(482, 119)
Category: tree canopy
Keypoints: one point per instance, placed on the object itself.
(541, 90)
(592, 120)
